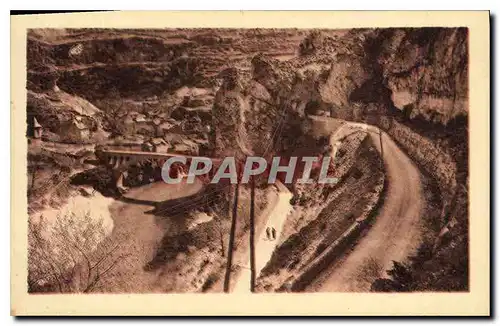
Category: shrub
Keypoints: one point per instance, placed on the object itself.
(63, 255)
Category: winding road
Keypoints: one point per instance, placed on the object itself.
(396, 230)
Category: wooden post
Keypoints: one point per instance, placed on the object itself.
(252, 236)
(381, 149)
(227, 279)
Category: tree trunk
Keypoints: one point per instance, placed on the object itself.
(252, 236)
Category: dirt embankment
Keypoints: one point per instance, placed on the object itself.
(434, 160)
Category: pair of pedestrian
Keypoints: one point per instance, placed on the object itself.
(271, 233)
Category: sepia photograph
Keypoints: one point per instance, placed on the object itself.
(233, 161)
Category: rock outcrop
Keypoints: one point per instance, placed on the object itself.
(67, 118)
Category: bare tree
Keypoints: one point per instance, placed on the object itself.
(217, 209)
(115, 112)
(71, 254)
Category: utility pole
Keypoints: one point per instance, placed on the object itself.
(381, 149)
(252, 236)
(227, 279)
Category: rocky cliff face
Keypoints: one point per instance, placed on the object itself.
(271, 104)
(142, 63)
(427, 72)
(365, 74)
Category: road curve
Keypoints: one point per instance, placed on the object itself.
(139, 233)
(396, 230)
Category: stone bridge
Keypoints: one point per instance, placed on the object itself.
(120, 160)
